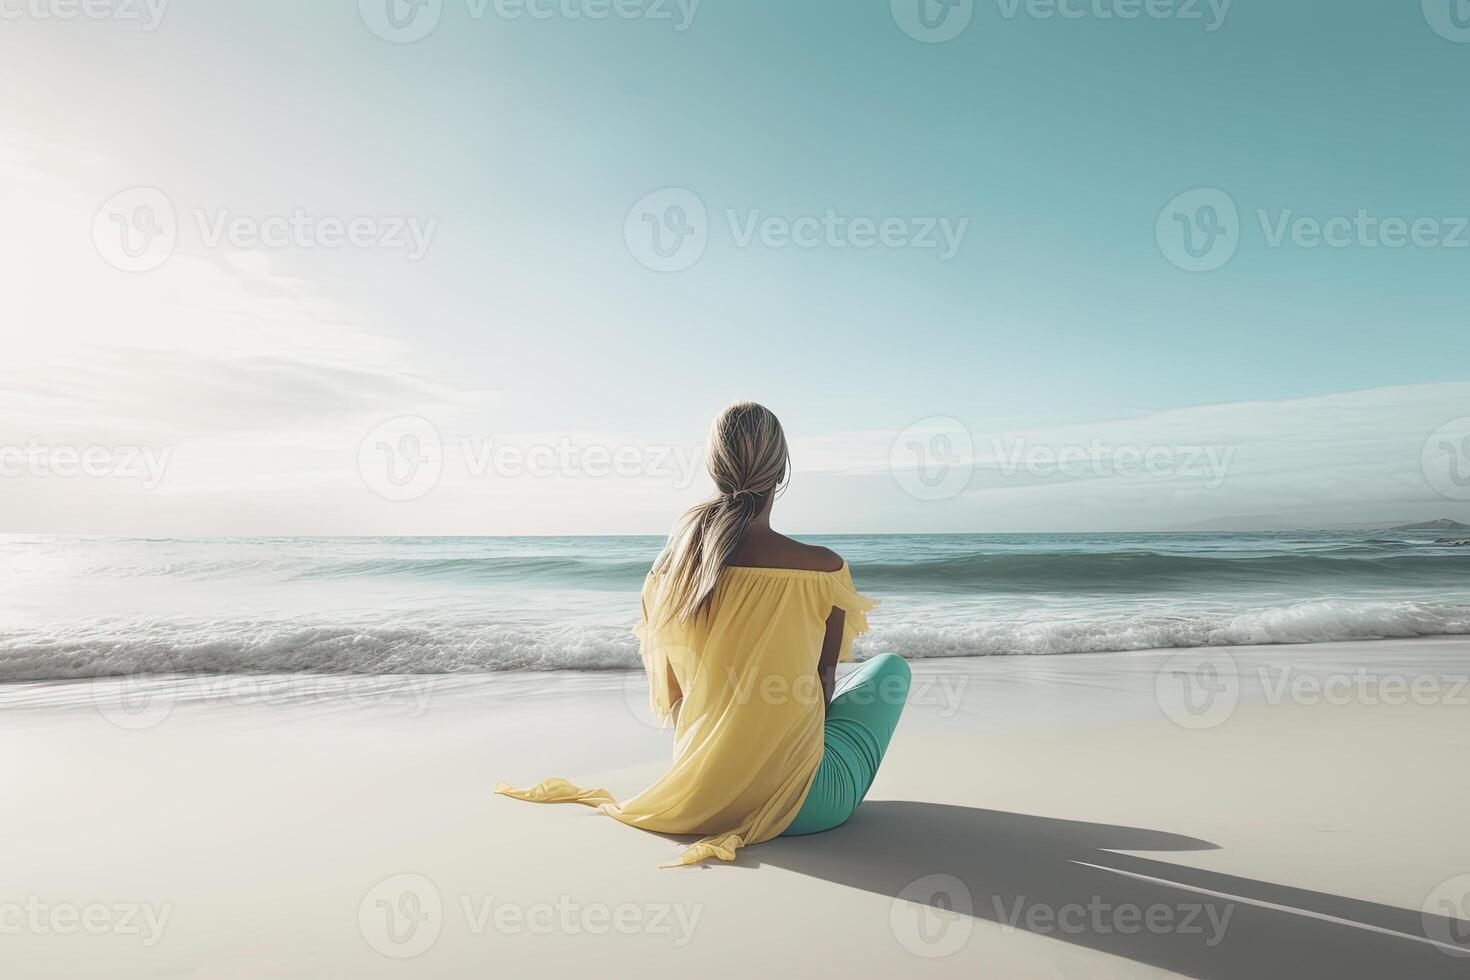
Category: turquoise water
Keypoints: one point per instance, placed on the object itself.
(78, 607)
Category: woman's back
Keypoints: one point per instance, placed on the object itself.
(740, 632)
(741, 684)
(750, 706)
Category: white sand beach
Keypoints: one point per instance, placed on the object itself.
(1036, 817)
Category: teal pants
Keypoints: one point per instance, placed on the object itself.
(860, 721)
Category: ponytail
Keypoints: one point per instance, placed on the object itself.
(749, 462)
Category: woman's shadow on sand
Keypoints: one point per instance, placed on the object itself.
(1065, 879)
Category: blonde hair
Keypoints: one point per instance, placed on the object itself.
(748, 460)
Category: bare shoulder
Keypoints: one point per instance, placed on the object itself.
(772, 550)
(821, 559)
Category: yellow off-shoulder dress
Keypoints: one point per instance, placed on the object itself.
(741, 686)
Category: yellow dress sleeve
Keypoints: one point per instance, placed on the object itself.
(855, 608)
(663, 685)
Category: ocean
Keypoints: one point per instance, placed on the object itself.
(84, 606)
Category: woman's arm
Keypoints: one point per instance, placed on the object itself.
(831, 646)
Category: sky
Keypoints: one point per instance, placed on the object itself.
(480, 267)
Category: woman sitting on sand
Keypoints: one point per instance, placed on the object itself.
(741, 634)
